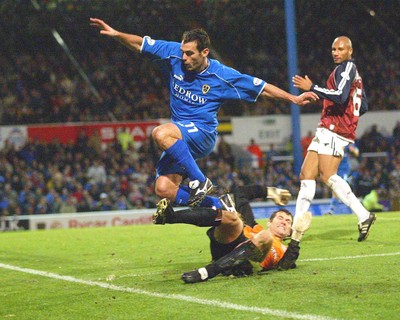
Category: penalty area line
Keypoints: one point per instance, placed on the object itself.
(179, 297)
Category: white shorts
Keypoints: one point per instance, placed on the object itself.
(328, 142)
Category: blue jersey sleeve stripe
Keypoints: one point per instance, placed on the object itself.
(144, 40)
(262, 89)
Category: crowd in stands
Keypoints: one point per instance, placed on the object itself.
(54, 178)
(41, 84)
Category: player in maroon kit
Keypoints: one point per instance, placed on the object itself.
(344, 101)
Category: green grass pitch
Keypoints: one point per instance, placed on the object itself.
(133, 272)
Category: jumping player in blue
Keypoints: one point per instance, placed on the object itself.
(198, 86)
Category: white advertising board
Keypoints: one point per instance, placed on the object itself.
(90, 219)
(277, 129)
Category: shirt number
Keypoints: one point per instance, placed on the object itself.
(192, 126)
(357, 95)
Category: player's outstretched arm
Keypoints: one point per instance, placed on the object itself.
(131, 41)
(271, 91)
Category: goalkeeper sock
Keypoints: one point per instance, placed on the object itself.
(182, 196)
(250, 192)
(242, 196)
(209, 271)
(344, 193)
(201, 217)
(247, 214)
(245, 251)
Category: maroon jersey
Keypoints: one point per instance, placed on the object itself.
(344, 100)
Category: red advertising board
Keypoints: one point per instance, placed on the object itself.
(108, 131)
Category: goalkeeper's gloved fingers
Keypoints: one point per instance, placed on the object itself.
(279, 196)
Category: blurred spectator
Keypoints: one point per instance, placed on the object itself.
(364, 182)
(94, 143)
(371, 201)
(255, 150)
(372, 140)
(272, 152)
(104, 204)
(125, 139)
(225, 151)
(42, 206)
(86, 203)
(97, 172)
(396, 131)
(122, 203)
(69, 205)
(56, 205)
(81, 141)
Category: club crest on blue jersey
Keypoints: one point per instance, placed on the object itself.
(257, 81)
(150, 41)
(205, 88)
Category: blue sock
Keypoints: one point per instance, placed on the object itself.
(182, 197)
(179, 151)
(210, 202)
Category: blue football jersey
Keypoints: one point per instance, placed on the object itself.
(198, 96)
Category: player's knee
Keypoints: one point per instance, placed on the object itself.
(158, 134)
(325, 180)
(231, 218)
(160, 192)
(325, 177)
(302, 175)
(331, 180)
(165, 132)
(307, 175)
(164, 188)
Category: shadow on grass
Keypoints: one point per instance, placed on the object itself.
(334, 234)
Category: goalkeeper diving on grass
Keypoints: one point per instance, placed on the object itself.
(236, 238)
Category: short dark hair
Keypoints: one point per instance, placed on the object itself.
(200, 36)
(273, 215)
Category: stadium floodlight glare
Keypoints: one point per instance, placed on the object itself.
(63, 45)
(67, 51)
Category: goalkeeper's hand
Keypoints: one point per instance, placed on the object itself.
(280, 196)
(301, 224)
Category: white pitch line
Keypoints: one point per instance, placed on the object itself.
(213, 303)
(300, 260)
(352, 257)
